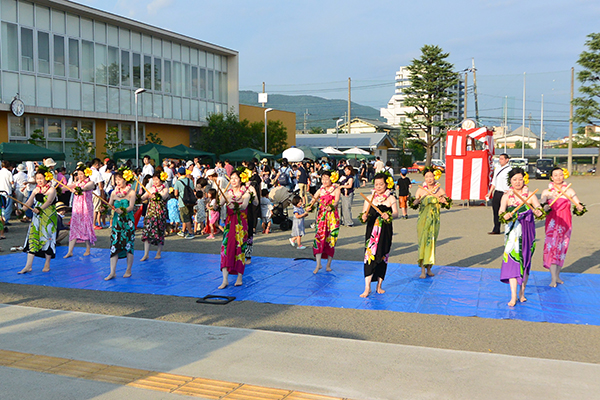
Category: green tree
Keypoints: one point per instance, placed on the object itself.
(154, 138)
(588, 104)
(315, 130)
(431, 78)
(113, 143)
(276, 136)
(84, 147)
(37, 138)
(519, 145)
(226, 133)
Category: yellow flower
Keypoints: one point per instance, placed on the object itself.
(127, 175)
(526, 179)
(390, 182)
(87, 172)
(163, 176)
(48, 176)
(244, 176)
(171, 190)
(565, 172)
(188, 172)
(335, 176)
(437, 174)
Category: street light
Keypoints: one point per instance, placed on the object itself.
(266, 111)
(137, 156)
(337, 131)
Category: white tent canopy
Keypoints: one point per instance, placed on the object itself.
(357, 151)
(331, 151)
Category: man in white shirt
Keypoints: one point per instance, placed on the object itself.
(167, 168)
(148, 168)
(20, 179)
(379, 165)
(497, 189)
(6, 185)
(98, 179)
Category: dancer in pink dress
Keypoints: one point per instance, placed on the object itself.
(558, 223)
(82, 218)
(328, 219)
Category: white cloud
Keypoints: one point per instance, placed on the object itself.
(157, 5)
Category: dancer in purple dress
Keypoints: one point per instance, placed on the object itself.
(519, 234)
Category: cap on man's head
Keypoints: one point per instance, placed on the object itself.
(181, 171)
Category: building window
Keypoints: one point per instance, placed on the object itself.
(10, 50)
(113, 66)
(137, 71)
(59, 55)
(74, 58)
(87, 61)
(125, 69)
(147, 72)
(157, 74)
(27, 49)
(167, 77)
(101, 64)
(43, 53)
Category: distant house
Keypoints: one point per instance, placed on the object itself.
(375, 143)
(517, 135)
(364, 125)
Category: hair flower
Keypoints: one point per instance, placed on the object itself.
(565, 172)
(390, 182)
(87, 172)
(163, 176)
(526, 179)
(335, 176)
(437, 174)
(128, 175)
(48, 176)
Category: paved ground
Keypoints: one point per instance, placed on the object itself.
(463, 242)
(326, 366)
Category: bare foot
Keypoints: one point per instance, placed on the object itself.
(87, 253)
(317, 268)
(248, 261)
(144, 258)
(157, 257)
(522, 299)
(559, 281)
(25, 270)
(127, 274)
(223, 285)
(68, 255)
(238, 281)
(552, 284)
(109, 277)
(423, 275)
(46, 268)
(429, 273)
(512, 303)
(365, 293)
(380, 291)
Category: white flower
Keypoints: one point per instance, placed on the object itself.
(112, 249)
(128, 246)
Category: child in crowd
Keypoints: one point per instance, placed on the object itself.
(200, 209)
(298, 223)
(214, 213)
(173, 210)
(266, 210)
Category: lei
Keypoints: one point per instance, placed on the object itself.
(375, 196)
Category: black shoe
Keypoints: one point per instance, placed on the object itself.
(494, 233)
(7, 223)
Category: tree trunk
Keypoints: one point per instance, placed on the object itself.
(598, 161)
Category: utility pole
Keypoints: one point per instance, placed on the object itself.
(349, 102)
(570, 154)
(306, 114)
(523, 126)
(263, 104)
(466, 94)
(505, 120)
(475, 91)
(542, 129)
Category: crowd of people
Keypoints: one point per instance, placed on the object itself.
(193, 198)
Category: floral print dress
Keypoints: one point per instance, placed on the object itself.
(558, 231)
(328, 226)
(122, 237)
(378, 243)
(82, 220)
(155, 222)
(41, 236)
(235, 236)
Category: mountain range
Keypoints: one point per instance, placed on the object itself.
(321, 112)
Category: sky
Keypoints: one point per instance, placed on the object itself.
(313, 47)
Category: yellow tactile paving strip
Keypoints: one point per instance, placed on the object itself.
(160, 381)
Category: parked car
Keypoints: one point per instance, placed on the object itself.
(519, 163)
(543, 166)
(592, 171)
(439, 164)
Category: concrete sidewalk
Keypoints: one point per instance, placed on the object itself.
(327, 366)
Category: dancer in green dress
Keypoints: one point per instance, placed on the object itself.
(41, 237)
(123, 227)
(429, 197)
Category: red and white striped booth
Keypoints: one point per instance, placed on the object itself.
(469, 163)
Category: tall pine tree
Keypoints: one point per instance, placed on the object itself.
(588, 105)
(431, 78)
